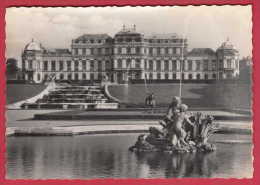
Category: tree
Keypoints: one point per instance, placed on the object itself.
(11, 68)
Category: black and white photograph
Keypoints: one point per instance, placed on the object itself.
(129, 92)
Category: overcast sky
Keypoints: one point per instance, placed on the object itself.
(204, 26)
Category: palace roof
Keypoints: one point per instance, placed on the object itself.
(93, 36)
(202, 52)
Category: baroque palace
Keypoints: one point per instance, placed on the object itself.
(129, 56)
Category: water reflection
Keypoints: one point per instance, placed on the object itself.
(106, 156)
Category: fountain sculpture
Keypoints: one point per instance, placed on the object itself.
(180, 132)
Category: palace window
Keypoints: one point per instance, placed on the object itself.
(83, 51)
(166, 65)
(45, 65)
(173, 76)
(205, 65)
(38, 76)
(61, 65)
(23, 64)
(69, 76)
(198, 76)
(166, 76)
(174, 65)
(84, 65)
(95, 50)
(137, 50)
(190, 76)
(92, 66)
(99, 51)
(158, 51)
(76, 65)
(158, 65)
(229, 63)
(107, 65)
(174, 50)
(150, 51)
(190, 65)
(119, 50)
(84, 76)
(158, 76)
(220, 64)
(151, 76)
(166, 51)
(61, 76)
(53, 66)
(107, 51)
(30, 64)
(214, 76)
(119, 63)
(137, 63)
(128, 50)
(150, 64)
(91, 51)
(197, 65)
(128, 63)
(46, 77)
(214, 65)
(76, 76)
(91, 76)
(76, 51)
(68, 65)
(206, 76)
(99, 65)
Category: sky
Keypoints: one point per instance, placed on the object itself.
(203, 26)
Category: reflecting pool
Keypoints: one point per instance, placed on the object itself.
(107, 156)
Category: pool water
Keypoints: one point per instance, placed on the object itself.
(107, 156)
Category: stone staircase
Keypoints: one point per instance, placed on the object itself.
(66, 96)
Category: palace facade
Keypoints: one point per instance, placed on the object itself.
(129, 56)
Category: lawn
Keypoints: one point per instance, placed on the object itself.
(220, 95)
(19, 92)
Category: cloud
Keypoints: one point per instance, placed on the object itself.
(204, 26)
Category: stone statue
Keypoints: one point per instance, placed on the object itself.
(180, 132)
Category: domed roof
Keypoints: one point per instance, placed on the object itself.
(33, 46)
(128, 31)
(227, 45)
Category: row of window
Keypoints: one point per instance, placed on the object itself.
(138, 39)
(174, 77)
(92, 51)
(92, 41)
(68, 64)
(149, 50)
(199, 65)
(128, 50)
(70, 76)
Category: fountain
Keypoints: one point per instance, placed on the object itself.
(180, 132)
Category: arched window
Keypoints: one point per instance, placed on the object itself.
(151, 76)
(69, 76)
(84, 76)
(198, 76)
(38, 76)
(76, 76)
(166, 76)
(182, 76)
(61, 76)
(46, 77)
(158, 76)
